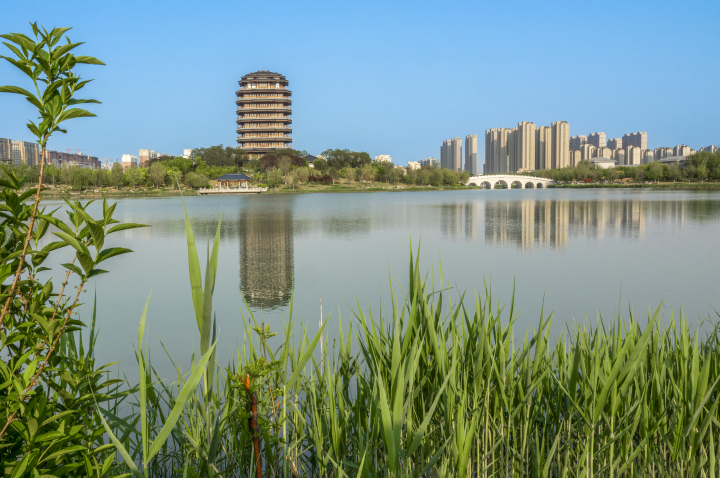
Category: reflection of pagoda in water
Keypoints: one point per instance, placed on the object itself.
(528, 224)
(266, 255)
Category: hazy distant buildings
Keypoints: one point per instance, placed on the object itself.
(707, 149)
(577, 141)
(187, 153)
(471, 150)
(383, 158)
(451, 154)
(587, 151)
(145, 156)
(633, 155)
(445, 153)
(560, 144)
(681, 150)
(575, 157)
(543, 147)
(428, 163)
(662, 153)
(526, 148)
(639, 140)
(129, 161)
(412, 165)
(5, 150)
(263, 113)
(496, 152)
(25, 152)
(597, 139)
(614, 143)
(648, 156)
(620, 157)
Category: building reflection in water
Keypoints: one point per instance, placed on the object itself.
(528, 224)
(266, 255)
(459, 217)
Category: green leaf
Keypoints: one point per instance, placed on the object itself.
(122, 227)
(74, 113)
(73, 268)
(111, 252)
(88, 60)
(305, 357)
(187, 391)
(120, 448)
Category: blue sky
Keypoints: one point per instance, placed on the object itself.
(383, 77)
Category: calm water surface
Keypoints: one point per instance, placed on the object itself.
(581, 252)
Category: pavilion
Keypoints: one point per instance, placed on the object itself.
(233, 180)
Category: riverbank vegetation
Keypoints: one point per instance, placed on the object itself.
(700, 167)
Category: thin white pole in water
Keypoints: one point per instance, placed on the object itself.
(322, 356)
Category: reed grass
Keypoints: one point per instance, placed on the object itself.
(436, 391)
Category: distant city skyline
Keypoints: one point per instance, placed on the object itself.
(365, 80)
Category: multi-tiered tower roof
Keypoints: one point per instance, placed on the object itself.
(263, 113)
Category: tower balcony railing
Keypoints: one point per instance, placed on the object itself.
(260, 126)
(266, 86)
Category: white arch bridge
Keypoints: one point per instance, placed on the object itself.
(507, 181)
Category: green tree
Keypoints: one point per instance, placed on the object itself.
(349, 174)
(274, 178)
(195, 180)
(654, 171)
(118, 175)
(157, 173)
(320, 165)
(303, 174)
(134, 176)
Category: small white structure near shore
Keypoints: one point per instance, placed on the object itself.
(604, 163)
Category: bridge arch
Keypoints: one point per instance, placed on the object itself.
(518, 182)
(502, 184)
(530, 185)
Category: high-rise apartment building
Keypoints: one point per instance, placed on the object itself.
(614, 143)
(496, 151)
(445, 154)
(428, 163)
(523, 157)
(681, 150)
(575, 157)
(597, 139)
(25, 152)
(588, 151)
(620, 157)
(129, 161)
(263, 113)
(663, 152)
(5, 150)
(543, 147)
(145, 156)
(638, 140)
(413, 165)
(707, 149)
(604, 153)
(187, 153)
(577, 141)
(456, 154)
(471, 150)
(633, 155)
(648, 156)
(383, 158)
(560, 144)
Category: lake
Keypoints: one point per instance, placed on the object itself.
(581, 252)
